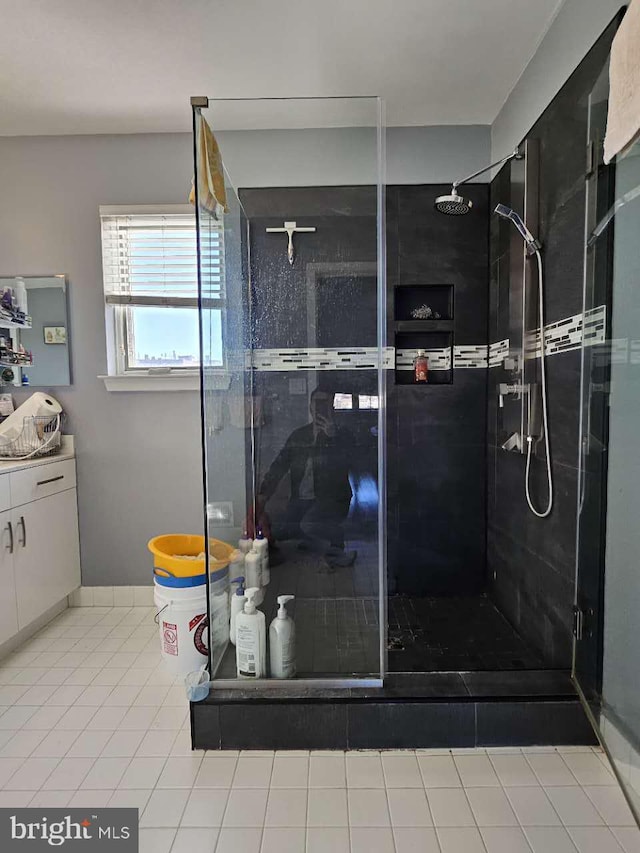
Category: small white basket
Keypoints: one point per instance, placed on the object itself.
(40, 436)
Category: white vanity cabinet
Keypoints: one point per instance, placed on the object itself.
(8, 603)
(39, 549)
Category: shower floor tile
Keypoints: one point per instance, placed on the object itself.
(454, 634)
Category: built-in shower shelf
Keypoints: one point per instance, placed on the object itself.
(437, 345)
(423, 325)
(434, 298)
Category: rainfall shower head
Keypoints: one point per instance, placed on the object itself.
(453, 204)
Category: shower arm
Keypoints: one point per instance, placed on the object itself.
(515, 155)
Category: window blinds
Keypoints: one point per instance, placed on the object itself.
(151, 259)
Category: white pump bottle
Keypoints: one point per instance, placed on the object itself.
(282, 642)
(251, 640)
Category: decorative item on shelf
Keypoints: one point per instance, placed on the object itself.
(425, 312)
(13, 304)
(10, 356)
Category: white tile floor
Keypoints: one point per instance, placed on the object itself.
(90, 718)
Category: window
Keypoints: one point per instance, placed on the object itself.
(342, 401)
(149, 261)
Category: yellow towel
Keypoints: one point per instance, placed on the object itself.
(211, 191)
(623, 120)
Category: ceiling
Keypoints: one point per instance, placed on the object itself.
(130, 66)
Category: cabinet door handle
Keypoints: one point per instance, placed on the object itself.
(24, 531)
(50, 480)
(9, 547)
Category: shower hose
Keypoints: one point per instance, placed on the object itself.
(545, 416)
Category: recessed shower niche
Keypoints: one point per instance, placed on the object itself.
(424, 321)
(427, 302)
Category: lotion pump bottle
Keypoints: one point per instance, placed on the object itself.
(238, 600)
(261, 545)
(282, 642)
(251, 640)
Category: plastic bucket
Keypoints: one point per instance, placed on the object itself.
(182, 617)
(165, 548)
(182, 622)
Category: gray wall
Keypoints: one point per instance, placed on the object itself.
(573, 32)
(343, 156)
(138, 454)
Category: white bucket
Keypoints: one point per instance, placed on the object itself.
(182, 620)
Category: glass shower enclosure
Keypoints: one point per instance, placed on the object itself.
(293, 305)
(608, 582)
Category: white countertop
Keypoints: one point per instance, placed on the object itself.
(67, 451)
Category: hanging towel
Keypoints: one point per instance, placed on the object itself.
(623, 120)
(211, 191)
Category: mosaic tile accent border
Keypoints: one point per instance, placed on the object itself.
(562, 336)
(498, 352)
(567, 334)
(470, 356)
(617, 351)
(319, 358)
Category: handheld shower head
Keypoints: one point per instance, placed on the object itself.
(530, 241)
(453, 204)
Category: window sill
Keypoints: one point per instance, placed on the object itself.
(165, 382)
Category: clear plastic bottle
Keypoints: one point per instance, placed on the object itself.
(421, 367)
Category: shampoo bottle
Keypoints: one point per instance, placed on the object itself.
(251, 640)
(261, 545)
(282, 642)
(253, 574)
(238, 600)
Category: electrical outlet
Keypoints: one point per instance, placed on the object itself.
(220, 513)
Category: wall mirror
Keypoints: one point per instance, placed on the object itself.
(34, 331)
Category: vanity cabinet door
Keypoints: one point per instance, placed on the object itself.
(8, 608)
(47, 560)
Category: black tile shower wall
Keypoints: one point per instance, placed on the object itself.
(531, 561)
(436, 464)
(436, 434)
(327, 298)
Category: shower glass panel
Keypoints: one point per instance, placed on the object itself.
(293, 374)
(607, 648)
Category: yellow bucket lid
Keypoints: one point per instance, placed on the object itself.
(168, 549)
